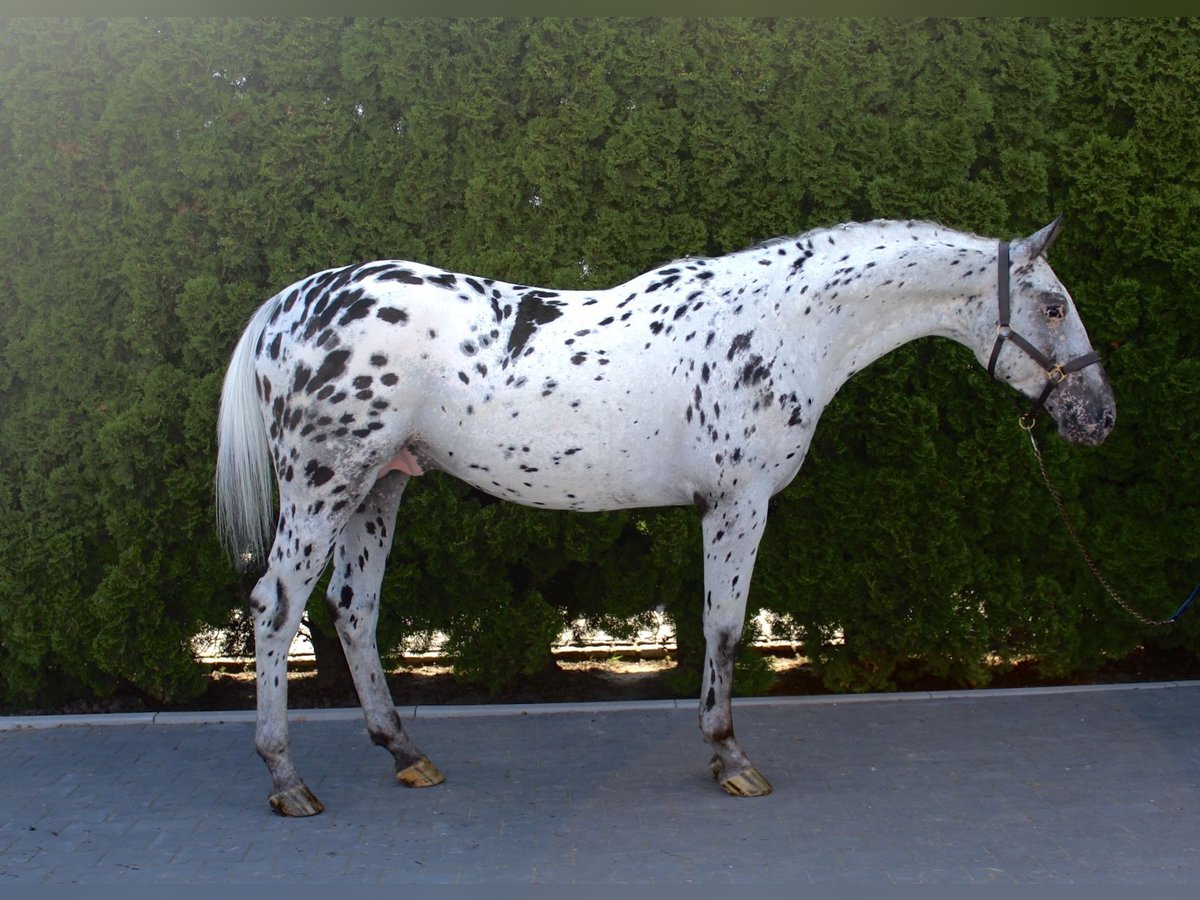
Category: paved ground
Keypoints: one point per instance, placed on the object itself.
(1057, 785)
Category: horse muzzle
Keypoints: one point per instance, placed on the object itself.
(1084, 410)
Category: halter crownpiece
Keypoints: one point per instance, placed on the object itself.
(1056, 373)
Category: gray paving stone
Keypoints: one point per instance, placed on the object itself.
(1081, 786)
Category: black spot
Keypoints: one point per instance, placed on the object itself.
(462, 376)
(357, 308)
(532, 312)
(705, 371)
(666, 282)
(754, 371)
(378, 359)
(303, 373)
(389, 379)
(347, 596)
(739, 344)
(317, 473)
(729, 644)
(445, 280)
(274, 348)
(366, 270)
(607, 321)
(656, 327)
(281, 606)
(578, 358)
(326, 308)
(331, 367)
(404, 276)
(343, 277)
(362, 381)
(391, 315)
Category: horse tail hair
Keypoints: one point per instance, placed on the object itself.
(244, 470)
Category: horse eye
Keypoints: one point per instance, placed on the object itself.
(1056, 311)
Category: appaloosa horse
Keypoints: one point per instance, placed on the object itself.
(699, 383)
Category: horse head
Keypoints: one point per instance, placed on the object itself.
(1041, 347)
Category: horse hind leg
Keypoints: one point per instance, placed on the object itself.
(277, 604)
(353, 602)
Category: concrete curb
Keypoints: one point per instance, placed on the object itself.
(235, 717)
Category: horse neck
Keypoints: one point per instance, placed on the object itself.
(876, 288)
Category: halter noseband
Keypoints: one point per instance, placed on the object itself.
(1056, 373)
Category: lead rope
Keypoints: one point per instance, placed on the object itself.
(1027, 422)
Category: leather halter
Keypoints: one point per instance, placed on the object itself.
(1056, 373)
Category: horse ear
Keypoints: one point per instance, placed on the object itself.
(1038, 243)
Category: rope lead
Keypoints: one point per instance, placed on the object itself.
(1027, 421)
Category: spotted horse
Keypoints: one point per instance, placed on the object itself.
(699, 383)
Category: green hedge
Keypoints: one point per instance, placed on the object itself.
(160, 178)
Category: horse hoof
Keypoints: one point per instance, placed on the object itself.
(296, 801)
(422, 773)
(747, 783)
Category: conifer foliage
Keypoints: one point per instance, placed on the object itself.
(159, 178)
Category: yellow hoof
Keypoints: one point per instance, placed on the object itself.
(296, 801)
(420, 774)
(748, 783)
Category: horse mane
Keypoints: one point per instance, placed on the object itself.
(882, 225)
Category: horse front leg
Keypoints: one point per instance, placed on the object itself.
(732, 529)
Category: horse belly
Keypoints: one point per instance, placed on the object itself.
(546, 452)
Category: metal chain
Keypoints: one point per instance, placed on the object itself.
(1027, 422)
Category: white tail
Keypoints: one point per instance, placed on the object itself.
(244, 471)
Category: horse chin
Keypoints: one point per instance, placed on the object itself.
(1087, 436)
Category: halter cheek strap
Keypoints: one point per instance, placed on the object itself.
(1056, 373)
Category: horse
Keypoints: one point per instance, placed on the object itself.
(697, 383)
